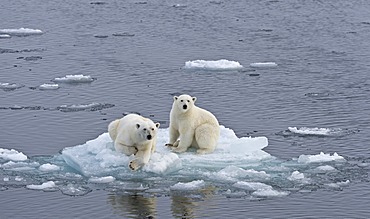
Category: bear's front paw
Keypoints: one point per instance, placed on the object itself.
(134, 165)
(168, 145)
(178, 150)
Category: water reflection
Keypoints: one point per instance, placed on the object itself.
(133, 205)
(183, 203)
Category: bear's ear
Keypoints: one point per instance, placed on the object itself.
(137, 126)
(194, 99)
(157, 125)
(175, 98)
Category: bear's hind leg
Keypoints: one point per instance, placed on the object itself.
(206, 137)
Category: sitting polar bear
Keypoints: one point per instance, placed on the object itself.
(195, 126)
(134, 134)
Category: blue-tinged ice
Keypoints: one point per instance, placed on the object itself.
(98, 157)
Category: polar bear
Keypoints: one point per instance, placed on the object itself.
(134, 134)
(196, 127)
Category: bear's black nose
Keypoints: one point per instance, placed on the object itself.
(184, 106)
(149, 137)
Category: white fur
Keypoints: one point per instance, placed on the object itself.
(130, 135)
(196, 127)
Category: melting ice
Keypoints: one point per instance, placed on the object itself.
(239, 167)
(221, 64)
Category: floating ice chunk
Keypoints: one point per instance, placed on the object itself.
(325, 168)
(18, 178)
(20, 166)
(269, 193)
(49, 167)
(314, 131)
(252, 186)
(75, 190)
(239, 194)
(221, 64)
(296, 175)
(105, 179)
(194, 185)
(12, 154)
(4, 36)
(84, 107)
(6, 179)
(10, 86)
(45, 185)
(75, 79)
(48, 87)
(21, 32)
(263, 64)
(319, 158)
(338, 184)
(233, 173)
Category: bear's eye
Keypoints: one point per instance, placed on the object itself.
(144, 129)
(182, 100)
(188, 101)
(152, 129)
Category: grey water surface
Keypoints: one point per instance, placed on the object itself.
(136, 50)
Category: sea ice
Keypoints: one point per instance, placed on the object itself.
(75, 79)
(296, 175)
(48, 87)
(21, 32)
(4, 36)
(10, 86)
(314, 131)
(194, 185)
(98, 157)
(12, 154)
(49, 167)
(263, 64)
(322, 157)
(45, 185)
(105, 179)
(221, 64)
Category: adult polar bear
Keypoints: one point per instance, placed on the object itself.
(134, 134)
(196, 127)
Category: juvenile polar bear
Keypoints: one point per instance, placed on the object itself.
(134, 134)
(195, 126)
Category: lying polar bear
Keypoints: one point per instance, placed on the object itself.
(196, 127)
(134, 134)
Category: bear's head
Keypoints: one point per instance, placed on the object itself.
(184, 102)
(147, 130)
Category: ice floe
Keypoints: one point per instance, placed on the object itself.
(45, 185)
(75, 79)
(319, 158)
(49, 167)
(4, 36)
(21, 32)
(48, 87)
(11, 154)
(221, 64)
(10, 86)
(263, 64)
(197, 184)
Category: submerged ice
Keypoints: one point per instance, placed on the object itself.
(239, 167)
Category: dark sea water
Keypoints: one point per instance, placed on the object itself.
(136, 51)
